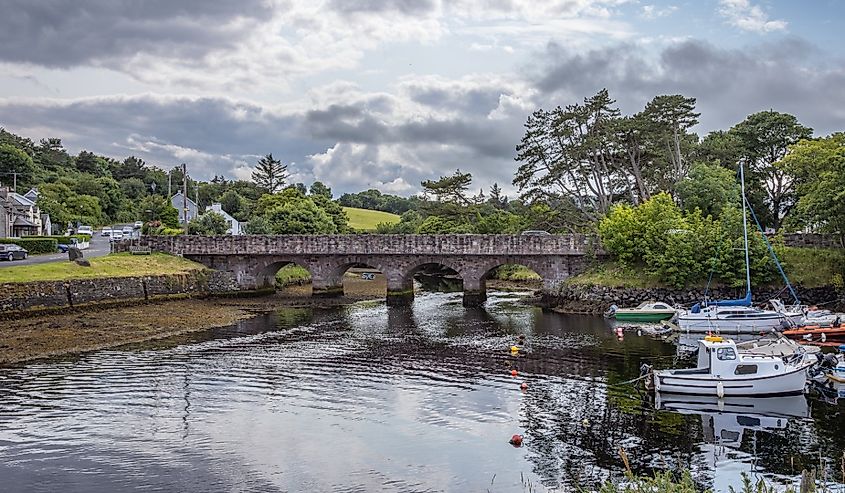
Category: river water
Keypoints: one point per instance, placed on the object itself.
(370, 398)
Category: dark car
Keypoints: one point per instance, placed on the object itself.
(12, 252)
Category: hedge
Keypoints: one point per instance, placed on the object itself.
(34, 245)
(60, 238)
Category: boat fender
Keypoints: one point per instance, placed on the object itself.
(720, 390)
(516, 441)
(824, 337)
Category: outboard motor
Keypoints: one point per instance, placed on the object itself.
(647, 376)
(829, 361)
(611, 311)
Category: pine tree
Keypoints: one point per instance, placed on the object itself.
(270, 174)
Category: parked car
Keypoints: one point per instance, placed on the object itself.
(116, 235)
(127, 230)
(12, 252)
(536, 232)
(85, 230)
(139, 224)
(64, 247)
(105, 232)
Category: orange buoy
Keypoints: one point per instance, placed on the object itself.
(513, 373)
(524, 386)
(516, 441)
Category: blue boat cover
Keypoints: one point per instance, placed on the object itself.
(740, 302)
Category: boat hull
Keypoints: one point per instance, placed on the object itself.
(642, 316)
(730, 326)
(787, 383)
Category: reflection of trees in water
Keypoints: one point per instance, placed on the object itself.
(564, 446)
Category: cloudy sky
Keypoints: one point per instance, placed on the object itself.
(385, 93)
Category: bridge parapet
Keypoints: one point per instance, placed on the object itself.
(453, 244)
(253, 261)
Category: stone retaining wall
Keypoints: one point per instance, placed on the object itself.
(597, 299)
(43, 296)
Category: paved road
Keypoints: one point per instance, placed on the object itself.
(99, 247)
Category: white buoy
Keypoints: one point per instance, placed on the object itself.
(720, 390)
(824, 337)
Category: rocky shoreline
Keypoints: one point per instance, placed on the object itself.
(597, 299)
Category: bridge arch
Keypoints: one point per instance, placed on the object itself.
(267, 274)
(336, 274)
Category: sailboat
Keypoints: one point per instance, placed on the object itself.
(739, 316)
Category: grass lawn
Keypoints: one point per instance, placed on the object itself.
(367, 220)
(808, 267)
(114, 265)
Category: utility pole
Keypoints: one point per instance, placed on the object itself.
(185, 195)
(169, 184)
(14, 182)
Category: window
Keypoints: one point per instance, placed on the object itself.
(726, 353)
(745, 370)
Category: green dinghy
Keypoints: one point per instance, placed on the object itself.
(649, 311)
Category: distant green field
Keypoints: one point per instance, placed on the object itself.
(367, 220)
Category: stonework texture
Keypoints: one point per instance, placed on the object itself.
(252, 261)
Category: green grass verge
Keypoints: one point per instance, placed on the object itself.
(512, 272)
(808, 267)
(813, 267)
(292, 274)
(367, 220)
(114, 265)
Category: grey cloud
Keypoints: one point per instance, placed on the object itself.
(405, 7)
(480, 100)
(66, 33)
(790, 75)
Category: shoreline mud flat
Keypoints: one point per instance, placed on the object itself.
(80, 331)
(95, 328)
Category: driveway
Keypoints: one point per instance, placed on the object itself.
(99, 246)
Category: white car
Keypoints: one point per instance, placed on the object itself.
(105, 232)
(85, 230)
(116, 235)
(127, 230)
(139, 224)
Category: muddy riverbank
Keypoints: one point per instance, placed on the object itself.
(100, 327)
(80, 331)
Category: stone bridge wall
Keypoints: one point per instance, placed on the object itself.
(253, 261)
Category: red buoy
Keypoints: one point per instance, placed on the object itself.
(524, 386)
(513, 373)
(516, 441)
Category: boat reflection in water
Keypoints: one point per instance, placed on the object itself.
(724, 423)
(724, 420)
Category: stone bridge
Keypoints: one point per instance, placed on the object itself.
(253, 261)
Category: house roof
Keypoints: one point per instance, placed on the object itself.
(20, 221)
(21, 200)
(179, 195)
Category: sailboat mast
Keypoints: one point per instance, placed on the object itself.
(745, 231)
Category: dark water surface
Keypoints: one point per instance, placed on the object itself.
(370, 398)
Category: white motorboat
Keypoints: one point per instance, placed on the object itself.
(739, 316)
(723, 370)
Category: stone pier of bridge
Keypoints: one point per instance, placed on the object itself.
(252, 261)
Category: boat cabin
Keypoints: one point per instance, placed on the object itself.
(719, 357)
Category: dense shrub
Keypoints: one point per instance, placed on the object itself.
(681, 249)
(34, 245)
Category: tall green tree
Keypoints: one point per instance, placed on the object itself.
(319, 188)
(670, 118)
(14, 160)
(819, 168)
(270, 174)
(765, 138)
(451, 189)
(708, 188)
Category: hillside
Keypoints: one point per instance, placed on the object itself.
(367, 220)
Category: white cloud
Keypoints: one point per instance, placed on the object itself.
(748, 17)
(654, 12)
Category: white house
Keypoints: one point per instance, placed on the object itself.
(235, 228)
(179, 204)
